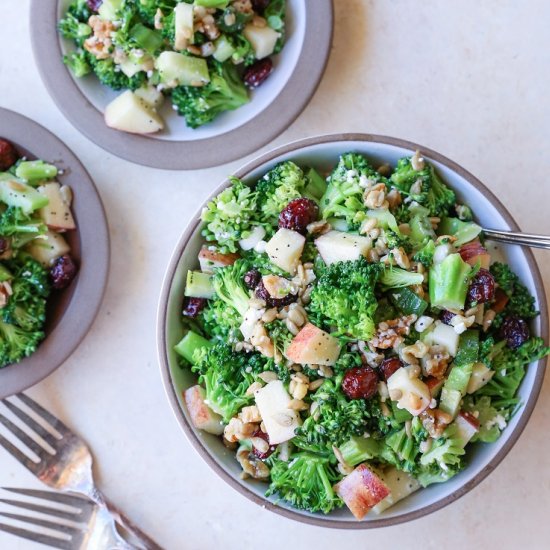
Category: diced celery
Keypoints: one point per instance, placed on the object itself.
(408, 302)
(468, 348)
(35, 170)
(146, 38)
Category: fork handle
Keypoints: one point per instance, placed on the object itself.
(146, 542)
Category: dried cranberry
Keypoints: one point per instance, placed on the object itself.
(298, 214)
(447, 316)
(260, 5)
(193, 306)
(94, 5)
(63, 271)
(257, 73)
(389, 366)
(252, 279)
(4, 246)
(515, 331)
(265, 437)
(482, 287)
(263, 294)
(8, 155)
(360, 383)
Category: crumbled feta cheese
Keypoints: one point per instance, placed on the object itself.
(260, 247)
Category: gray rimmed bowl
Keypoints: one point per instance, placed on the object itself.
(273, 106)
(72, 311)
(322, 152)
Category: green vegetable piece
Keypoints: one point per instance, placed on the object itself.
(450, 401)
(359, 449)
(421, 229)
(212, 3)
(5, 274)
(224, 49)
(317, 185)
(468, 348)
(146, 38)
(199, 285)
(407, 301)
(395, 277)
(448, 283)
(77, 63)
(455, 388)
(109, 8)
(35, 170)
(189, 344)
(182, 69)
(400, 415)
(463, 231)
(15, 192)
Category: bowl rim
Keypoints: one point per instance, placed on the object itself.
(90, 285)
(183, 155)
(165, 365)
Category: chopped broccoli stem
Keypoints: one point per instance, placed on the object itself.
(448, 283)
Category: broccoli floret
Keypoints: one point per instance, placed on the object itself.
(396, 240)
(77, 62)
(238, 20)
(220, 322)
(226, 375)
(110, 75)
(224, 92)
(521, 302)
(336, 418)
(395, 277)
(305, 481)
(229, 286)
(489, 430)
(280, 335)
(346, 185)
(17, 343)
(20, 226)
(448, 283)
(423, 186)
(426, 254)
(230, 215)
(148, 8)
(70, 27)
(277, 188)
(509, 366)
(344, 296)
(80, 10)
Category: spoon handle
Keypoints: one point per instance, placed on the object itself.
(524, 239)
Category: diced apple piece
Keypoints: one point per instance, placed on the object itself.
(313, 346)
(434, 385)
(361, 490)
(183, 21)
(48, 247)
(211, 259)
(400, 484)
(151, 96)
(409, 391)
(480, 376)
(202, 416)
(501, 299)
(443, 335)
(262, 39)
(256, 235)
(130, 113)
(285, 248)
(467, 426)
(251, 318)
(338, 246)
(475, 252)
(57, 214)
(280, 422)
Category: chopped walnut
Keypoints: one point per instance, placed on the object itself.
(100, 43)
(436, 361)
(390, 333)
(435, 421)
(252, 465)
(237, 430)
(411, 354)
(261, 341)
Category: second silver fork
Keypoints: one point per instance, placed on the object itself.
(64, 460)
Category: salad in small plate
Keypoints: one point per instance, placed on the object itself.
(352, 336)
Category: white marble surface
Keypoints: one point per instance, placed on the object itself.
(469, 79)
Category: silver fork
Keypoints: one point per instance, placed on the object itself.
(66, 465)
(91, 526)
(523, 239)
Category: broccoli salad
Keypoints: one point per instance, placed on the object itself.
(35, 259)
(351, 335)
(202, 54)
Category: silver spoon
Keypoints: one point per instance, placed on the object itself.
(524, 239)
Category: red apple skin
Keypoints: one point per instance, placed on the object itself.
(218, 257)
(501, 299)
(434, 384)
(300, 342)
(475, 252)
(361, 490)
(470, 418)
(201, 415)
(468, 425)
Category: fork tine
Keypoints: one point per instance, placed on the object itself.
(62, 498)
(64, 529)
(37, 537)
(22, 436)
(48, 416)
(18, 455)
(41, 509)
(31, 423)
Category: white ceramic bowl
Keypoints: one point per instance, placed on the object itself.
(323, 152)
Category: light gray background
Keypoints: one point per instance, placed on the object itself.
(469, 79)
